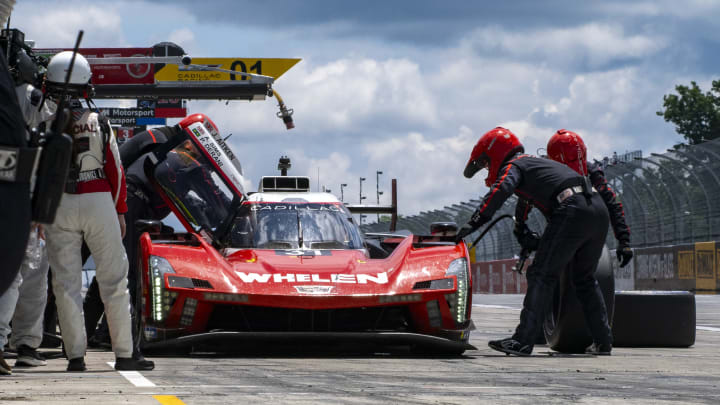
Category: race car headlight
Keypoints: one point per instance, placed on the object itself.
(459, 299)
(160, 298)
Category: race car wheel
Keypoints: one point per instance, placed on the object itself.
(564, 325)
(654, 318)
(138, 323)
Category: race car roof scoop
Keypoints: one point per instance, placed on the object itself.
(284, 184)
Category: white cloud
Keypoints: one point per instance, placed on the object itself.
(347, 94)
(183, 37)
(595, 43)
(429, 170)
(57, 24)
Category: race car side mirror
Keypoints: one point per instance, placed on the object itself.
(443, 228)
(151, 226)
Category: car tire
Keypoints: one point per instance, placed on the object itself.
(654, 318)
(564, 325)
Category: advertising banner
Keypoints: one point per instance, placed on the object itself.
(141, 73)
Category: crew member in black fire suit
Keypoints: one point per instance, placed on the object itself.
(575, 234)
(15, 170)
(143, 203)
(568, 147)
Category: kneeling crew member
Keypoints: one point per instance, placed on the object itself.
(575, 234)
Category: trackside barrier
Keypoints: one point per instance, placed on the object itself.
(688, 267)
(497, 277)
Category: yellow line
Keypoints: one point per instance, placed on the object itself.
(168, 400)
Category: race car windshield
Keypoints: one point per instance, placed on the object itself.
(294, 226)
(195, 187)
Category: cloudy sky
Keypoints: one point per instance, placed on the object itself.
(408, 86)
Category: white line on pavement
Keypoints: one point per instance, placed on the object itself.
(496, 306)
(710, 328)
(134, 377)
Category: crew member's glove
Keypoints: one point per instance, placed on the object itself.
(464, 231)
(624, 254)
(526, 238)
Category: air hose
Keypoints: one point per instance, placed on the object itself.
(487, 229)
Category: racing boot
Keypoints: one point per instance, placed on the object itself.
(5, 368)
(602, 349)
(76, 364)
(29, 357)
(129, 363)
(511, 346)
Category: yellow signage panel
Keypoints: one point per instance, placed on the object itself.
(705, 266)
(686, 267)
(272, 67)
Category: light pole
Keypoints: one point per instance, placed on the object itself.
(361, 197)
(342, 196)
(377, 189)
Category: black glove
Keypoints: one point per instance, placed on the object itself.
(624, 254)
(526, 238)
(464, 231)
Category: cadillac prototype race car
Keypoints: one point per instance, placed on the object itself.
(285, 263)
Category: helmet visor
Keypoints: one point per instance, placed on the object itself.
(474, 166)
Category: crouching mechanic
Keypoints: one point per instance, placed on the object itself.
(568, 147)
(92, 208)
(575, 234)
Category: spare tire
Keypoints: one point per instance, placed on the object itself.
(564, 325)
(654, 318)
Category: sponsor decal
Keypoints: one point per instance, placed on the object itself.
(314, 289)
(303, 252)
(295, 207)
(379, 278)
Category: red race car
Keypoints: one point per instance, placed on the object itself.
(286, 264)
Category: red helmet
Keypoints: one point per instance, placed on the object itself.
(567, 147)
(491, 151)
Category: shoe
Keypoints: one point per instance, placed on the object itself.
(602, 349)
(5, 368)
(128, 363)
(99, 341)
(511, 346)
(76, 364)
(29, 357)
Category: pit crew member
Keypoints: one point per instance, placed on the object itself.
(143, 203)
(575, 234)
(25, 300)
(568, 147)
(92, 208)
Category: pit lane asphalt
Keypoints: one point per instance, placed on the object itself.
(647, 375)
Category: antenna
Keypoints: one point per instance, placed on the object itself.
(61, 104)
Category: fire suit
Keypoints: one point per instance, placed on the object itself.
(90, 209)
(25, 300)
(143, 203)
(575, 235)
(15, 192)
(614, 207)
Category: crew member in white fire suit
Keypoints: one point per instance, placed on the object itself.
(27, 322)
(92, 208)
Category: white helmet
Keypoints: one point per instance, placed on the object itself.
(57, 70)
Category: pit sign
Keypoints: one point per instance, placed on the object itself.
(273, 67)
